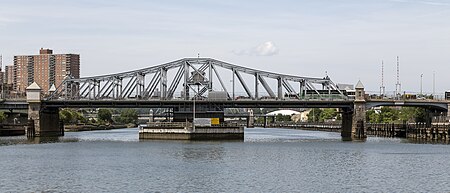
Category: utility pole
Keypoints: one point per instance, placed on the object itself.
(398, 87)
(382, 87)
(421, 80)
(434, 83)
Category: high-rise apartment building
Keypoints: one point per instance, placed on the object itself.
(9, 74)
(45, 69)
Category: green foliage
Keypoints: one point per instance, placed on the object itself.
(69, 116)
(388, 115)
(128, 116)
(372, 116)
(2, 116)
(283, 118)
(322, 115)
(104, 115)
(392, 115)
(314, 115)
(421, 115)
(328, 114)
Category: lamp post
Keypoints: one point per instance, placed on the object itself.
(421, 78)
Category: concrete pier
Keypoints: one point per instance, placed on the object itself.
(186, 131)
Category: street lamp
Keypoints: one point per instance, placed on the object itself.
(421, 78)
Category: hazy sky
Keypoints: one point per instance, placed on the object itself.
(346, 38)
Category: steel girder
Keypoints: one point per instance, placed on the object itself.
(198, 76)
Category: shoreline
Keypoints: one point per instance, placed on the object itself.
(80, 128)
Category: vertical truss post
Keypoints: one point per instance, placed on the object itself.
(163, 85)
(233, 80)
(140, 85)
(118, 88)
(90, 89)
(210, 83)
(280, 88)
(256, 86)
(186, 79)
(66, 89)
(302, 89)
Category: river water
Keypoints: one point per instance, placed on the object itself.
(268, 160)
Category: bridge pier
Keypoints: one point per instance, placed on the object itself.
(265, 121)
(354, 120)
(448, 111)
(347, 123)
(250, 119)
(46, 120)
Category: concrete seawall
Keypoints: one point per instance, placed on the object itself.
(181, 131)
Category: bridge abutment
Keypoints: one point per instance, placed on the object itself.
(46, 120)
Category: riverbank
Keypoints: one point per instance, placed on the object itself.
(78, 128)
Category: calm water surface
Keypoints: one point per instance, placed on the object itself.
(268, 160)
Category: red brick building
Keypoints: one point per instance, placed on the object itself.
(45, 69)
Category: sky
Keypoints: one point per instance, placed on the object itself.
(344, 39)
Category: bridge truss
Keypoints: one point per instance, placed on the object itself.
(202, 78)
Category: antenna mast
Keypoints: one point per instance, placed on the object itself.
(382, 88)
(398, 87)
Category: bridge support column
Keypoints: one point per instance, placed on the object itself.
(347, 123)
(448, 112)
(46, 120)
(250, 119)
(265, 121)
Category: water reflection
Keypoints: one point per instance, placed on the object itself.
(207, 152)
(16, 140)
(40, 140)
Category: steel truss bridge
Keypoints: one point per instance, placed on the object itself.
(214, 85)
(206, 80)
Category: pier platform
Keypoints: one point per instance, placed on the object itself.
(186, 131)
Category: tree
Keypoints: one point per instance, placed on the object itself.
(2, 117)
(69, 116)
(128, 116)
(421, 115)
(65, 116)
(284, 118)
(314, 115)
(328, 114)
(372, 116)
(104, 115)
(388, 115)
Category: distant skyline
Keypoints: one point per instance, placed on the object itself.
(347, 39)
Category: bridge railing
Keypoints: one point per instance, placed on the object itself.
(410, 96)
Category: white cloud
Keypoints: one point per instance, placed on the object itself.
(5, 20)
(265, 49)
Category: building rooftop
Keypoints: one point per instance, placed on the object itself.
(359, 85)
(34, 86)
